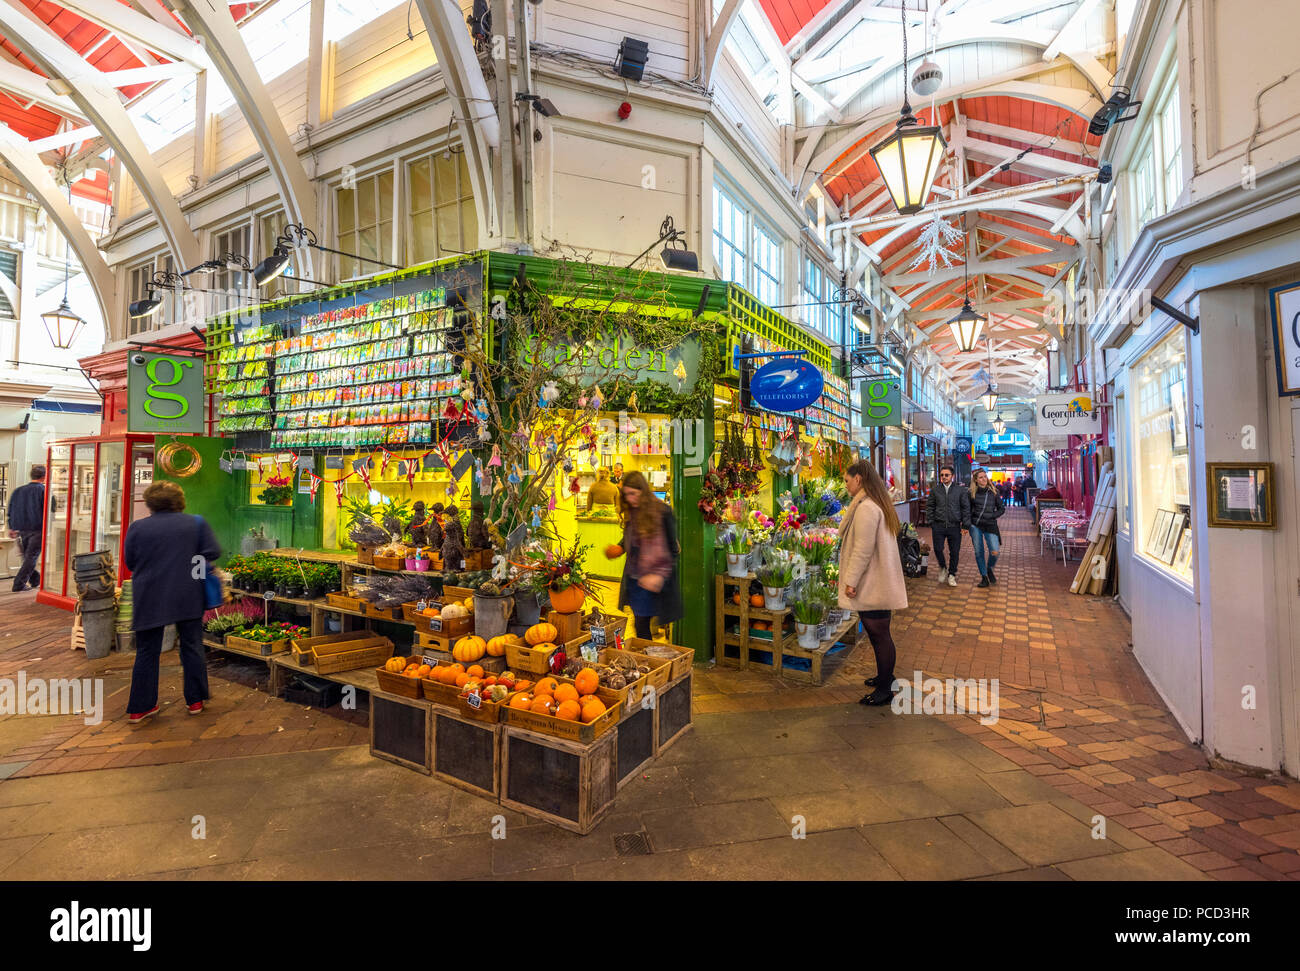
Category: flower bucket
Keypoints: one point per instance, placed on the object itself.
(808, 639)
(528, 609)
(411, 563)
(738, 565)
(422, 566)
(774, 598)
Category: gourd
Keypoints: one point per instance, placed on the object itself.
(395, 665)
(469, 649)
(453, 611)
(541, 633)
(496, 647)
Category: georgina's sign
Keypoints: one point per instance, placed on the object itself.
(1067, 414)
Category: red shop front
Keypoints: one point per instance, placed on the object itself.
(95, 485)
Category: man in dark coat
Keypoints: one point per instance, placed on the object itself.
(26, 520)
(948, 511)
(168, 554)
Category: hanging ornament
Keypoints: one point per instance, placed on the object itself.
(550, 503)
(412, 467)
(513, 478)
(537, 517)
(596, 399)
(632, 405)
(484, 435)
(451, 412)
(363, 470)
(451, 489)
(500, 567)
(936, 241)
(575, 486)
(550, 394)
(679, 373)
(495, 460)
(582, 400)
(338, 488)
(481, 411)
(567, 464)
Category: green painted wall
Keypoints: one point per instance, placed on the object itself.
(695, 568)
(207, 492)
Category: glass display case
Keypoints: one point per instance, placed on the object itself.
(91, 504)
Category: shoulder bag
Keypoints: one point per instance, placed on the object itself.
(214, 594)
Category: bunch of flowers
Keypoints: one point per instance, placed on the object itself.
(791, 518)
(266, 633)
(724, 485)
(818, 547)
(277, 490)
(832, 573)
(759, 525)
(559, 571)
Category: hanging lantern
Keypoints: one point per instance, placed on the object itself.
(989, 398)
(999, 425)
(63, 325)
(966, 327)
(909, 158)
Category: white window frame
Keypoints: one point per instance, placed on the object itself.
(755, 235)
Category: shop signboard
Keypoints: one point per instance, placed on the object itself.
(606, 356)
(882, 402)
(1285, 306)
(1073, 413)
(786, 384)
(164, 394)
(923, 422)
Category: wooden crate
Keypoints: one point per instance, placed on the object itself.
(449, 696)
(836, 647)
(568, 626)
(567, 784)
(381, 613)
(527, 659)
(636, 746)
(389, 563)
(574, 731)
(674, 713)
(399, 684)
(401, 731)
(341, 600)
(265, 648)
(682, 662)
(451, 627)
(458, 594)
(346, 651)
(467, 754)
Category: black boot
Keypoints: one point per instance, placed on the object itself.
(992, 561)
(984, 581)
(881, 696)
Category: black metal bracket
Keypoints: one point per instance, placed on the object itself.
(1192, 323)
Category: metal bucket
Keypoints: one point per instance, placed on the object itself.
(98, 623)
(492, 615)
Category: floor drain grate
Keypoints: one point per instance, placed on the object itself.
(632, 844)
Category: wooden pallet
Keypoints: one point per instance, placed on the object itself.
(817, 656)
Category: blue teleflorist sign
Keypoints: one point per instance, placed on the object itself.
(786, 384)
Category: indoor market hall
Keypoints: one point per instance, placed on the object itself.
(585, 440)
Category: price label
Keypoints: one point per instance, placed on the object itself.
(598, 636)
(474, 700)
(268, 595)
(589, 652)
(430, 660)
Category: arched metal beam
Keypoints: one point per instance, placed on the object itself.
(476, 120)
(101, 107)
(213, 23)
(36, 179)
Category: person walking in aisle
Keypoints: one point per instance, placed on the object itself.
(985, 508)
(26, 520)
(871, 572)
(1018, 491)
(164, 553)
(947, 509)
(649, 588)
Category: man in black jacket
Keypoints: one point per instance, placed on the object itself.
(948, 511)
(26, 520)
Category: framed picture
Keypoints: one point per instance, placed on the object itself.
(1182, 481)
(1241, 495)
(1175, 534)
(1159, 532)
(1183, 558)
(1284, 304)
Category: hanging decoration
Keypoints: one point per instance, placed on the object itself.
(936, 242)
(314, 482)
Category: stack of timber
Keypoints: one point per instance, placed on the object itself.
(1096, 573)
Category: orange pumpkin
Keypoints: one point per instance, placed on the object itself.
(395, 665)
(566, 692)
(567, 601)
(475, 671)
(613, 551)
(756, 600)
(587, 681)
(524, 685)
(592, 709)
(546, 686)
(523, 701)
(542, 705)
(469, 649)
(496, 647)
(569, 711)
(541, 634)
(735, 598)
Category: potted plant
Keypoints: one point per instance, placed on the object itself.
(278, 491)
(420, 561)
(563, 576)
(810, 610)
(775, 575)
(263, 572)
(737, 547)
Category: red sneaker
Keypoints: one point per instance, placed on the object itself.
(142, 716)
(196, 708)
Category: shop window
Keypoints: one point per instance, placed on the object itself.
(9, 268)
(1162, 470)
(365, 223)
(137, 285)
(729, 237)
(1121, 463)
(443, 220)
(229, 283)
(767, 267)
(270, 227)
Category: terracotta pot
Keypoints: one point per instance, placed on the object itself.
(568, 601)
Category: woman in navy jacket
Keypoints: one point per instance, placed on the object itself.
(168, 554)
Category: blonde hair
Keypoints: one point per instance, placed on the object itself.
(974, 478)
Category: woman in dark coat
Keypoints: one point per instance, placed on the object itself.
(649, 588)
(168, 555)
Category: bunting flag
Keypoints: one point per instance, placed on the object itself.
(364, 472)
(386, 457)
(412, 466)
(315, 481)
(338, 488)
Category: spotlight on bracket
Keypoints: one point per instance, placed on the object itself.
(632, 57)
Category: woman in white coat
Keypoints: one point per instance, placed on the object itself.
(871, 573)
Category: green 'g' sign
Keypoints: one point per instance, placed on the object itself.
(882, 402)
(164, 394)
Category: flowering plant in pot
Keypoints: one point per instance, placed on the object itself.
(562, 575)
(278, 492)
(737, 547)
(811, 608)
(818, 548)
(775, 574)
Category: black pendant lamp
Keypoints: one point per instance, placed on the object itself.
(909, 158)
(64, 326)
(966, 326)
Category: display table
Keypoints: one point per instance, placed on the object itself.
(772, 646)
